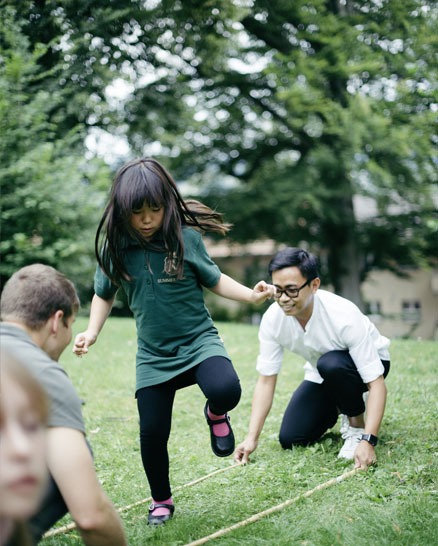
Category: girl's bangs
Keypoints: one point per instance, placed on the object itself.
(137, 187)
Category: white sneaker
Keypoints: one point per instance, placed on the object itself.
(352, 439)
(344, 424)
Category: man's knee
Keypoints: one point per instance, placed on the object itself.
(330, 364)
(289, 440)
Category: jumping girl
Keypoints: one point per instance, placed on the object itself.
(149, 243)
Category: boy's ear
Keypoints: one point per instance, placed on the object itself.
(316, 283)
(55, 320)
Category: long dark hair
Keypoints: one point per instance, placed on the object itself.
(146, 181)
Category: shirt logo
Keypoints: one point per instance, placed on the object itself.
(170, 264)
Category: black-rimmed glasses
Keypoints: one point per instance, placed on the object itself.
(290, 292)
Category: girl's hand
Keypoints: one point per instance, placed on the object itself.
(262, 291)
(83, 341)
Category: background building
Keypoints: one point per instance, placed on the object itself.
(403, 306)
(399, 306)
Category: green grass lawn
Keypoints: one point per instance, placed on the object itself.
(395, 502)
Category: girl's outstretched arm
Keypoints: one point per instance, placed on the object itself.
(100, 309)
(233, 290)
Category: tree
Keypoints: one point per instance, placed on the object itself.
(85, 44)
(306, 105)
(51, 195)
(280, 113)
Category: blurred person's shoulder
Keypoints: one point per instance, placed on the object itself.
(18, 343)
(65, 404)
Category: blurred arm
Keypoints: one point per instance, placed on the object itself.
(71, 466)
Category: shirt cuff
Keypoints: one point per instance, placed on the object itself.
(268, 367)
(371, 371)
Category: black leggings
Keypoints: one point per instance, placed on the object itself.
(314, 407)
(218, 381)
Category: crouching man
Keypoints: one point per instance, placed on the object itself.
(346, 357)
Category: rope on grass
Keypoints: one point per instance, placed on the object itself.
(71, 526)
(269, 511)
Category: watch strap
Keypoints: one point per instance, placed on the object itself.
(370, 438)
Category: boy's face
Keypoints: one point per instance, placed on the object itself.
(61, 339)
(291, 278)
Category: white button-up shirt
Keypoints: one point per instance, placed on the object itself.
(336, 324)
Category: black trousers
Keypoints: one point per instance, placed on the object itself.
(218, 381)
(314, 407)
(51, 510)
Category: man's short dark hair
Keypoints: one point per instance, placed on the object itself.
(295, 257)
(34, 293)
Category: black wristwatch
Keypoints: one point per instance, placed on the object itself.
(370, 438)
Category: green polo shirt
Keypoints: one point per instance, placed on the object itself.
(174, 328)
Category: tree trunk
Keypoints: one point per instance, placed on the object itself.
(344, 260)
(349, 281)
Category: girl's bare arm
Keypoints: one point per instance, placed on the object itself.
(233, 290)
(100, 309)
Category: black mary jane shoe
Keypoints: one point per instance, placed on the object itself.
(160, 520)
(222, 446)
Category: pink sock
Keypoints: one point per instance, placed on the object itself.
(162, 511)
(222, 429)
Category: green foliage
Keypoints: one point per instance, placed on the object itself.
(280, 114)
(395, 502)
(51, 195)
(304, 105)
(82, 52)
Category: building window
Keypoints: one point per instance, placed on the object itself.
(411, 311)
(373, 308)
